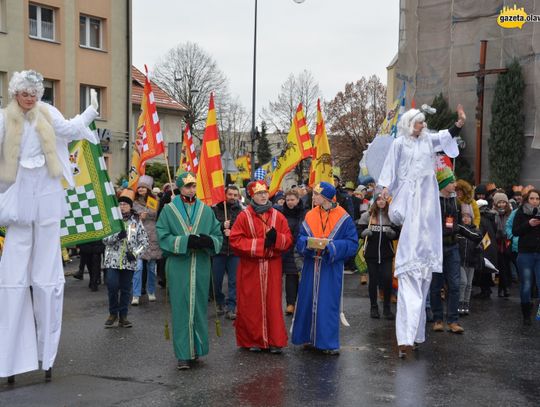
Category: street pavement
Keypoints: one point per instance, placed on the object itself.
(495, 362)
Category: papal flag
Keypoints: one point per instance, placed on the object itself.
(210, 183)
(243, 163)
(297, 148)
(321, 165)
(93, 208)
(389, 124)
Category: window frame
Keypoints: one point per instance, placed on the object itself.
(100, 93)
(87, 26)
(3, 12)
(39, 33)
(53, 87)
(3, 101)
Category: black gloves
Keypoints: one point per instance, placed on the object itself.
(121, 235)
(206, 242)
(200, 242)
(391, 234)
(366, 233)
(270, 239)
(130, 256)
(193, 242)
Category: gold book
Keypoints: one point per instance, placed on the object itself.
(317, 243)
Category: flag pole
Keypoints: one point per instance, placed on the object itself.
(166, 158)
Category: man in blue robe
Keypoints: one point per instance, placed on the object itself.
(327, 239)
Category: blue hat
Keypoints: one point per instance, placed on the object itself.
(325, 189)
(279, 195)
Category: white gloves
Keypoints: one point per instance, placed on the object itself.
(94, 99)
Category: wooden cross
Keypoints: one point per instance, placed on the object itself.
(480, 75)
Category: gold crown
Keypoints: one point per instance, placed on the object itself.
(318, 189)
(189, 179)
(259, 187)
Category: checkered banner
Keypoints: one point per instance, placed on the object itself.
(93, 208)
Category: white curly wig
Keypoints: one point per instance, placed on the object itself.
(407, 121)
(26, 81)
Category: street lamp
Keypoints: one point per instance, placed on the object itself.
(253, 129)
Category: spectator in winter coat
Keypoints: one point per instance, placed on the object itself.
(145, 206)
(91, 258)
(226, 261)
(527, 227)
(465, 195)
(488, 229)
(121, 252)
(379, 232)
(471, 255)
(503, 209)
(294, 212)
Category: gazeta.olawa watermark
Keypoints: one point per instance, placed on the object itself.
(515, 17)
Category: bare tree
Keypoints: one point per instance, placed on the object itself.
(189, 74)
(353, 117)
(234, 124)
(297, 88)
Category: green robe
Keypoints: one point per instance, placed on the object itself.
(188, 272)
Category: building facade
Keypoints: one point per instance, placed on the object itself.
(438, 39)
(76, 45)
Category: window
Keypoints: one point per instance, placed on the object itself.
(3, 101)
(90, 32)
(85, 98)
(2, 15)
(41, 22)
(48, 94)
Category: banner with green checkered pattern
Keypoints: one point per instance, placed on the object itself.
(93, 208)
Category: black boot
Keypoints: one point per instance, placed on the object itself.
(387, 313)
(374, 311)
(11, 379)
(526, 311)
(48, 374)
(79, 275)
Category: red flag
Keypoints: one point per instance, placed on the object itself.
(210, 184)
(149, 138)
(189, 161)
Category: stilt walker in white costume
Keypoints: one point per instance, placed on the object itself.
(408, 175)
(34, 158)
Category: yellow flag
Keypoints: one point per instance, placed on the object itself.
(321, 165)
(297, 148)
(243, 163)
(152, 203)
(486, 241)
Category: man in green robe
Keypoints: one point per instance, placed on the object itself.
(189, 234)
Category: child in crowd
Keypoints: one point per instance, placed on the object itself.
(471, 255)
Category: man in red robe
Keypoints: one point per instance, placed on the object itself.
(259, 237)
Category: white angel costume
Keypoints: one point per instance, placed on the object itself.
(409, 174)
(33, 159)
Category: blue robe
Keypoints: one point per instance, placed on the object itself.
(316, 318)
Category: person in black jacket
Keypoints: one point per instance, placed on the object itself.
(488, 229)
(527, 227)
(451, 273)
(379, 232)
(91, 258)
(471, 254)
(226, 261)
(294, 212)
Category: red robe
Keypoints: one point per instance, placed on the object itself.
(259, 318)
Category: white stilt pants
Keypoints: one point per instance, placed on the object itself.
(413, 289)
(31, 319)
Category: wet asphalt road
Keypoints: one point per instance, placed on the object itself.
(495, 363)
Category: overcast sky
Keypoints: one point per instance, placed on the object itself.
(338, 41)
